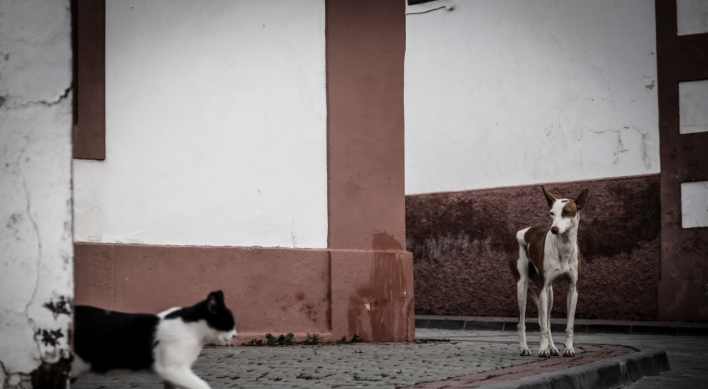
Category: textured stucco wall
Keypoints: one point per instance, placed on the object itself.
(460, 242)
(36, 285)
(509, 92)
(215, 126)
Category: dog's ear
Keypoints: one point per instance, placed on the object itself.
(549, 197)
(582, 199)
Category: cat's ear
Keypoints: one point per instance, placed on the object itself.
(212, 302)
(215, 300)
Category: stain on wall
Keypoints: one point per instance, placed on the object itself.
(372, 295)
(460, 242)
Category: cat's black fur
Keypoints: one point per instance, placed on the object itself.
(214, 312)
(114, 340)
(167, 343)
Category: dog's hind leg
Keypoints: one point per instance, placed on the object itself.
(554, 349)
(519, 266)
(521, 287)
(544, 351)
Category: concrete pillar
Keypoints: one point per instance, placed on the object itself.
(36, 281)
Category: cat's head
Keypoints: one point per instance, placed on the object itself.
(220, 320)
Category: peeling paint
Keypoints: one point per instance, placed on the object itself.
(49, 337)
(62, 306)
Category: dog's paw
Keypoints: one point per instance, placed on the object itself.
(554, 351)
(525, 352)
(544, 353)
(569, 352)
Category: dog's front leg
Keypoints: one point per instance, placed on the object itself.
(521, 290)
(544, 351)
(572, 302)
(554, 349)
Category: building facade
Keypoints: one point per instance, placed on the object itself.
(252, 147)
(503, 96)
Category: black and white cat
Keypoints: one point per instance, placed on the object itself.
(167, 343)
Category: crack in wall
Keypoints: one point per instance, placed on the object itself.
(22, 380)
(601, 74)
(28, 210)
(23, 104)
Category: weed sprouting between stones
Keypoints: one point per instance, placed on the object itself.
(428, 340)
(287, 340)
(312, 340)
(355, 339)
(282, 340)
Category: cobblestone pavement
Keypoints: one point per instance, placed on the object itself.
(331, 366)
(401, 365)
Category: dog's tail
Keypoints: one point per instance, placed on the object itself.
(535, 299)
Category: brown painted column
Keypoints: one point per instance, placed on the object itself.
(372, 276)
(684, 252)
(89, 86)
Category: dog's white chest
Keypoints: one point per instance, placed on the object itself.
(560, 261)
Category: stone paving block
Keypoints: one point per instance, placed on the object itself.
(692, 332)
(421, 323)
(446, 324)
(654, 330)
(609, 329)
(484, 325)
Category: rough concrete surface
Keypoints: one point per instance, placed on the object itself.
(36, 286)
(460, 242)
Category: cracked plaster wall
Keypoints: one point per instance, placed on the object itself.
(215, 126)
(502, 93)
(36, 284)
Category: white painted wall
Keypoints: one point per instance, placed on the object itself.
(216, 126)
(693, 106)
(692, 16)
(694, 204)
(36, 264)
(512, 92)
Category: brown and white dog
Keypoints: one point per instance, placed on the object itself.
(547, 255)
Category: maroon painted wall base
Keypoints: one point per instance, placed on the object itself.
(333, 293)
(683, 299)
(460, 242)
